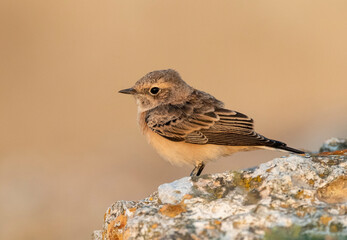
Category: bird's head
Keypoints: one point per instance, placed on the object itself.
(157, 88)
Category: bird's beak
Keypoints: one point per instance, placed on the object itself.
(128, 91)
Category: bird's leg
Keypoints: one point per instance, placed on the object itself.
(197, 169)
(201, 167)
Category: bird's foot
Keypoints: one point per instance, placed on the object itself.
(197, 169)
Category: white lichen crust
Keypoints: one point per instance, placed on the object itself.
(292, 196)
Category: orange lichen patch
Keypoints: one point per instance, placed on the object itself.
(325, 220)
(301, 195)
(334, 192)
(132, 209)
(115, 229)
(311, 182)
(213, 225)
(300, 213)
(251, 182)
(194, 237)
(187, 196)
(112, 233)
(321, 175)
(150, 199)
(284, 205)
(172, 210)
(339, 152)
(154, 226)
(217, 222)
(121, 220)
(209, 227)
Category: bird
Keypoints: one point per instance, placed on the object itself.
(189, 126)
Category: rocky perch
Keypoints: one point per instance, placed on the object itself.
(294, 197)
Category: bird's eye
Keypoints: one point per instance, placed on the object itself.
(154, 90)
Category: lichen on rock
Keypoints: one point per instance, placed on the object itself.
(293, 197)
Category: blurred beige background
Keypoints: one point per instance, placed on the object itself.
(69, 143)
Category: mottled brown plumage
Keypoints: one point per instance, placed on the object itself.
(186, 125)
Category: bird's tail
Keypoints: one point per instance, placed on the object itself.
(282, 146)
(289, 149)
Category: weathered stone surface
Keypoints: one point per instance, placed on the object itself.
(294, 197)
(334, 192)
(334, 144)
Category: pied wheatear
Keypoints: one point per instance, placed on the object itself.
(188, 126)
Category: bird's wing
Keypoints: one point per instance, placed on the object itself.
(233, 129)
(181, 122)
(203, 120)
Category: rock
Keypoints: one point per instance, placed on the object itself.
(174, 192)
(292, 197)
(334, 144)
(334, 192)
